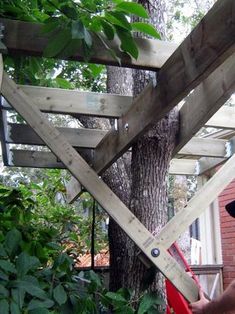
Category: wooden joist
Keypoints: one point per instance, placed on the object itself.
(89, 138)
(56, 100)
(207, 147)
(224, 118)
(206, 99)
(100, 191)
(26, 38)
(77, 137)
(202, 199)
(198, 56)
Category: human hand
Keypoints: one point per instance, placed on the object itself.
(199, 306)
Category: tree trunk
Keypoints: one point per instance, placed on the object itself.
(148, 186)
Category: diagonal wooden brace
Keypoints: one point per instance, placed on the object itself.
(59, 145)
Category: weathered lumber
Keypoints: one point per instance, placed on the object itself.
(202, 199)
(184, 167)
(100, 191)
(206, 99)
(41, 159)
(26, 38)
(207, 147)
(3, 130)
(207, 164)
(57, 100)
(77, 137)
(198, 56)
(224, 118)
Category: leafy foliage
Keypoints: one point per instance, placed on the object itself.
(36, 274)
(72, 25)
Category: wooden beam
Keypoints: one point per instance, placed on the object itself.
(56, 100)
(202, 199)
(26, 38)
(207, 147)
(41, 159)
(100, 191)
(224, 118)
(206, 99)
(6, 155)
(198, 56)
(184, 167)
(207, 164)
(77, 137)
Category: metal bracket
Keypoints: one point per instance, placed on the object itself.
(3, 48)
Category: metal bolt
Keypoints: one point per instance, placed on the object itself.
(126, 126)
(155, 252)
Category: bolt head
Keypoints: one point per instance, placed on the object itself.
(155, 252)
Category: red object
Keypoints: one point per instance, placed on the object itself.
(177, 304)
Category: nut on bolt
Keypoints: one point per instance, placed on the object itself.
(155, 252)
(126, 126)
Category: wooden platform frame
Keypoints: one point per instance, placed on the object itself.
(204, 62)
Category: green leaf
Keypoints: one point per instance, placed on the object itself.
(119, 19)
(59, 294)
(69, 12)
(3, 276)
(39, 311)
(36, 304)
(12, 241)
(30, 288)
(148, 300)
(77, 30)
(128, 44)
(2, 251)
(25, 262)
(57, 43)
(50, 25)
(14, 308)
(4, 307)
(7, 266)
(115, 296)
(133, 8)
(145, 28)
(18, 296)
(3, 292)
(108, 29)
(88, 38)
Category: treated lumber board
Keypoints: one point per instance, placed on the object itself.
(207, 147)
(202, 199)
(184, 167)
(58, 100)
(192, 62)
(206, 99)
(3, 131)
(77, 137)
(1, 71)
(40, 159)
(100, 191)
(70, 191)
(26, 38)
(224, 118)
(207, 164)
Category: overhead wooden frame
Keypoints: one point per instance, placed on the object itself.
(100, 191)
(198, 56)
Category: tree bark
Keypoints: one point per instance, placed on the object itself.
(147, 198)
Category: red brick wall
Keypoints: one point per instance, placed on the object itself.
(227, 234)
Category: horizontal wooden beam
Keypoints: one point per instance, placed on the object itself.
(224, 118)
(27, 38)
(77, 137)
(197, 57)
(207, 147)
(202, 199)
(56, 100)
(207, 164)
(100, 191)
(42, 159)
(206, 99)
